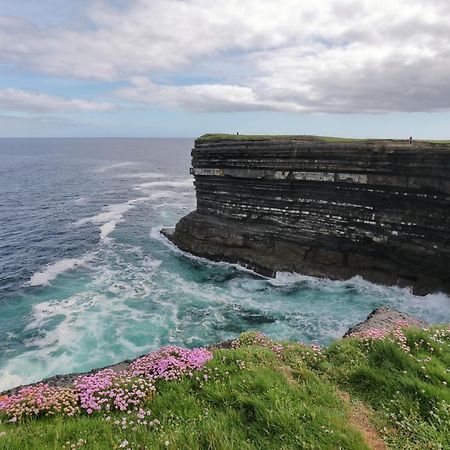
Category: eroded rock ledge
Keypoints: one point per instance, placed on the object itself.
(379, 209)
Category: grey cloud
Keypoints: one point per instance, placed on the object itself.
(333, 56)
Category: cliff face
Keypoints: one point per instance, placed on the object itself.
(380, 209)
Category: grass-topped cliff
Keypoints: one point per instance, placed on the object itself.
(373, 390)
(260, 137)
(325, 207)
(329, 139)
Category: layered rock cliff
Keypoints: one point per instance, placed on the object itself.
(329, 208)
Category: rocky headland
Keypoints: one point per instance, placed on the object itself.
(323, 207)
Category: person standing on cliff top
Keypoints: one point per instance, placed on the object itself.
(411, 140)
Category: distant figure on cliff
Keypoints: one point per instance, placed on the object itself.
(237, 133)
(411, 140)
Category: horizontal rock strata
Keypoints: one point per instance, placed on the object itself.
(380, 209)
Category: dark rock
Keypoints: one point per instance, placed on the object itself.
(385, 319)
(379, 209)
(221, 345)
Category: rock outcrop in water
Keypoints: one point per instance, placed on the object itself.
(327, 208)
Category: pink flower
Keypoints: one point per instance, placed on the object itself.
(170, 363)
(107, 390)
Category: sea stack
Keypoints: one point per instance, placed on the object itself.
(324, 207)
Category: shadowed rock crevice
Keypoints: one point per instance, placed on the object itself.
(379, 209)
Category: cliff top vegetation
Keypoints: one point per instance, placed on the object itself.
(329, 139)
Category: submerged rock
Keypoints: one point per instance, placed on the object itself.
(385, 319)
(335, 209)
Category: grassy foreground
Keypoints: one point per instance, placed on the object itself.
(370, 391)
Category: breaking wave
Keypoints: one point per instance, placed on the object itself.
(51, 271)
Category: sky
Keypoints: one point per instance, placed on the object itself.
(182, 68)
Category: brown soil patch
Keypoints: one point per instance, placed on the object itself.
(359, 418)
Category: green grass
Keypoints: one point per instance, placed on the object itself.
(256, 398)
(409, 391)
(330, 139)
(265, 137)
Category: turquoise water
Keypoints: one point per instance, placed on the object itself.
(87, 280)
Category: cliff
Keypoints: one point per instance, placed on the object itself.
(323, 207)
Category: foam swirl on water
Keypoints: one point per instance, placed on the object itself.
(51, 271)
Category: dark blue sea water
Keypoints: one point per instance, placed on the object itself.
(87, 280)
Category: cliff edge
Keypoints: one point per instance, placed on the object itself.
(323, 207)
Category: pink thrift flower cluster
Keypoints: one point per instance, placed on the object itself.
(170, 363)
(40, 400)
(372, 334)
(108, 390)
(376, 334)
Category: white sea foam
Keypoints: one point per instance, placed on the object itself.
(433, 308)
(107, 228)
(142, 175)
(114, 166)
(326, 284)
(164, 193)
(139, 200)
(110, 216)
(110, 212)
(188, 182)
(8, 380)
(50, 272)
(436, 305)
(81, 201)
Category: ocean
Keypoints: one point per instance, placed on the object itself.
(87, 280)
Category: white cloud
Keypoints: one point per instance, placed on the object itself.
(323, 56)
(25, 101)
(200, 97)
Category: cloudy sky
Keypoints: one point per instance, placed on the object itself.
(360, 68)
